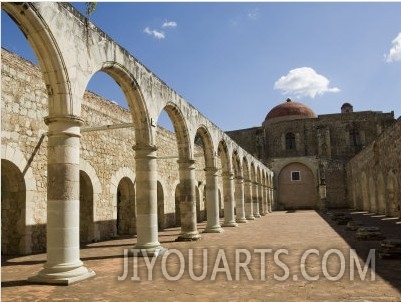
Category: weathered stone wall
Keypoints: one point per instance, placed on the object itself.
(373, 175)
(107, 158)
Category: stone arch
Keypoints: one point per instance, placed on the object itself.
(296, 187)
(50, 58)
(177, 195)
(86, 208)
(160, 206)
(13, 209)
(365, 193)
(392, 193)
(134, 98)
(184, 144)
(381, 194)
(115, 180)
(126, 207)
(14, 160)
(372, 195)
(208, 147)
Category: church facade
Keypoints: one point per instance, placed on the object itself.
(309, 153)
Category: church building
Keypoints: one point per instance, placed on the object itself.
(308, 152)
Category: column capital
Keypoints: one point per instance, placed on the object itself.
(64, 124)
(186, 164)
(229, 175)
(211, 170)
(145, 151)
(239, 177)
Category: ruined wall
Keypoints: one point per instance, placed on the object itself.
(373, 175)
(107, 162)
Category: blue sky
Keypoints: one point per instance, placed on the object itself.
(234, 61)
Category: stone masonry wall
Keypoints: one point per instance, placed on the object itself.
(373, 175)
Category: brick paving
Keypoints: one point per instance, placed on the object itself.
(295, 231)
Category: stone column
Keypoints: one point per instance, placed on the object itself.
(146, 201)
(248, 200)
(262, 200)
(189, 230)
(256, 200)
(239, 197)
(228, 190)
(212, 199)
(267, 199)
(271, 194)
(63, 264)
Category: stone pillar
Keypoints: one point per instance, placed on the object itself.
(189, 230)
(256, 200)
(248, 200)
(228, 190)
(146, 201)
(271, 194)
(267, 199)
(239, 197)
(212, 199)
(63, 265)
(262, 200)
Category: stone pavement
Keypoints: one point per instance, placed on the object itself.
(228, 275)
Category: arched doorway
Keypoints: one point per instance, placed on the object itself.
(86, 228)
(297, 187)
(13, 204)
(126, 212)
(177, 206)
(160, 207)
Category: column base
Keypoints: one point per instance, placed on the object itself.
(195, 236)
(257, 215)
(263, 214)
(241, 220)
(230, 224)
(250, 218)
(148, 251)
(214, 229)
(55, 276)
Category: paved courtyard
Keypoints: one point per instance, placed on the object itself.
(302, 251)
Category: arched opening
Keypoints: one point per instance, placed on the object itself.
(221, 208)
(290, 141)
(200, 207)
(160, 207)
(365, 194)
(177, 206)
(13, 209)
(86, 227)
(392, 186)
(126, 207)
(297, 187)
(372, 195)
(381, 194)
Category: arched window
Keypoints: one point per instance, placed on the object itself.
(290, 141)
(354, 137)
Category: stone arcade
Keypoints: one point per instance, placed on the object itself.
(68, 178)
(131, 179)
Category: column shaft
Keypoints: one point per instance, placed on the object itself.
(63, 264)
(248, 200)
(228, 190)
(146, 201)
(256, 200)
(239, 197)
(187, 201)
(212, 199)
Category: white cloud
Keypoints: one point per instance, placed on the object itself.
(395, 51)
(154, 33)
(253, 14)
(169, 24)
(304, 81)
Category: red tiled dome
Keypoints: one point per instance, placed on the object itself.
(290, 108)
